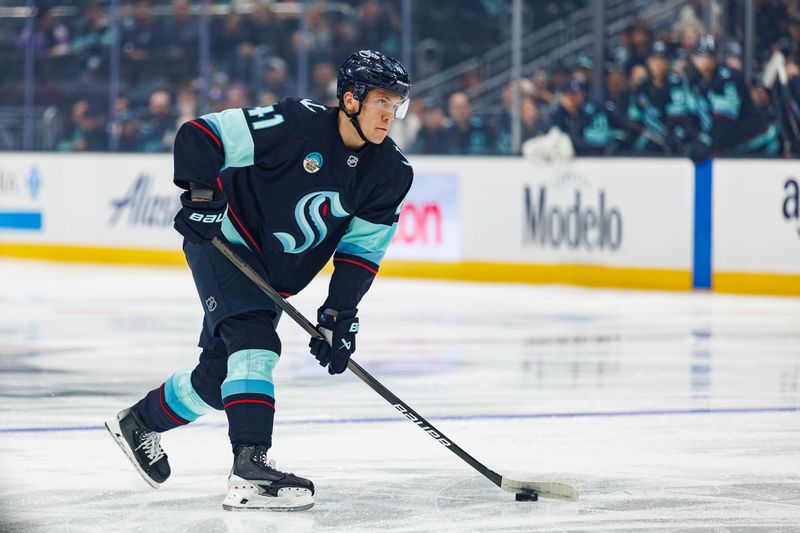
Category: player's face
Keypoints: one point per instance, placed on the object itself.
(705, 64)
(377, 113)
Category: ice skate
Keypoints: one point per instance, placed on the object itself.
(255, 484)
(141, 446)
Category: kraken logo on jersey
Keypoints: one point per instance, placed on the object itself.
(308, 212)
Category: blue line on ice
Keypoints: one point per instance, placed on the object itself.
(520, 416)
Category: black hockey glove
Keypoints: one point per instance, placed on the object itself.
(341, 327)
(199, 221)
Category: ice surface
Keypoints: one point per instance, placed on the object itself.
(668, 411)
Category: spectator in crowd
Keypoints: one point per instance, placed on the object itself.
(51, 38)
(317, 40)
(530, 116)
(790, 44)
(237, 97)
(658, 111)
(266, 98)
(467, 133)
(637, 76)
(587, 127)
(584, 71)
(158, 127)
(87, 133)
(186, 105)
(181, 37)
(617, 86)
(276, 80)
(254, 48)
(90, 42)
(375, 27)
(732, 56)
(542, 91)
(432, 137)
(130, 135)
(727, 122)
(51, 48)
(232, 46)
(640, 42)
(141, 37)
(345, 34)
(263, 28)
(532, 122)
(761, 101)
(323, 83)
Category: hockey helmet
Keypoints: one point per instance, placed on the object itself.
(705, 46)
(368, 69)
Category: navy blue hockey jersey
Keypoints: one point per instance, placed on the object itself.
(296, 194)
(728, 122)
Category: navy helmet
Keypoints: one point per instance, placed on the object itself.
(705, 46)
(659, 49)
(368, 69)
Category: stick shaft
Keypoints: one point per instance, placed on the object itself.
(354, 367)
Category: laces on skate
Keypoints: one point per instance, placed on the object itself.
(151, 443)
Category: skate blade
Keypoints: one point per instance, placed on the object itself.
(114, 430)
(244, 496)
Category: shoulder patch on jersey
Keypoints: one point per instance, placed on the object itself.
(312, 106)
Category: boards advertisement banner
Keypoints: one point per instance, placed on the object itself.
(756, 217)
(626, 213)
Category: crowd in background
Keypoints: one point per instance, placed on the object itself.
(660, 98)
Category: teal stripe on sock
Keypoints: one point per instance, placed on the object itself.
(182, 398)
(248, 386)
(250, 371)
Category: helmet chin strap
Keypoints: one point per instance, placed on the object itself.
(354, 119)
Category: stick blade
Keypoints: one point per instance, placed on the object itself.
(545, 489)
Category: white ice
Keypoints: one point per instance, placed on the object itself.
(668, 411)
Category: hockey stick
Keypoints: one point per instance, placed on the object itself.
(525, 490)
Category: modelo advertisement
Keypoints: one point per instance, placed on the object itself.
(756, 217)
(593, 211)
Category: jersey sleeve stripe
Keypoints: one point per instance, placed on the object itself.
(216, 140)
(235, 135)
(366, 239)
(358, 251)
(362, 265)
(241, 226)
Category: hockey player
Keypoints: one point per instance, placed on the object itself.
(726, 122)
(592, 131)
(287, 186)
(659, 108)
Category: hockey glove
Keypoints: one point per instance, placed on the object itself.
(199, 221)
(341, 328)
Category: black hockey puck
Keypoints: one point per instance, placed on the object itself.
(523, 497)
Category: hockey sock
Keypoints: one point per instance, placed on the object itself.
(175, 403)
(248, 395)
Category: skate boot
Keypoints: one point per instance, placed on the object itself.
(141, 445)
(255, 484)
